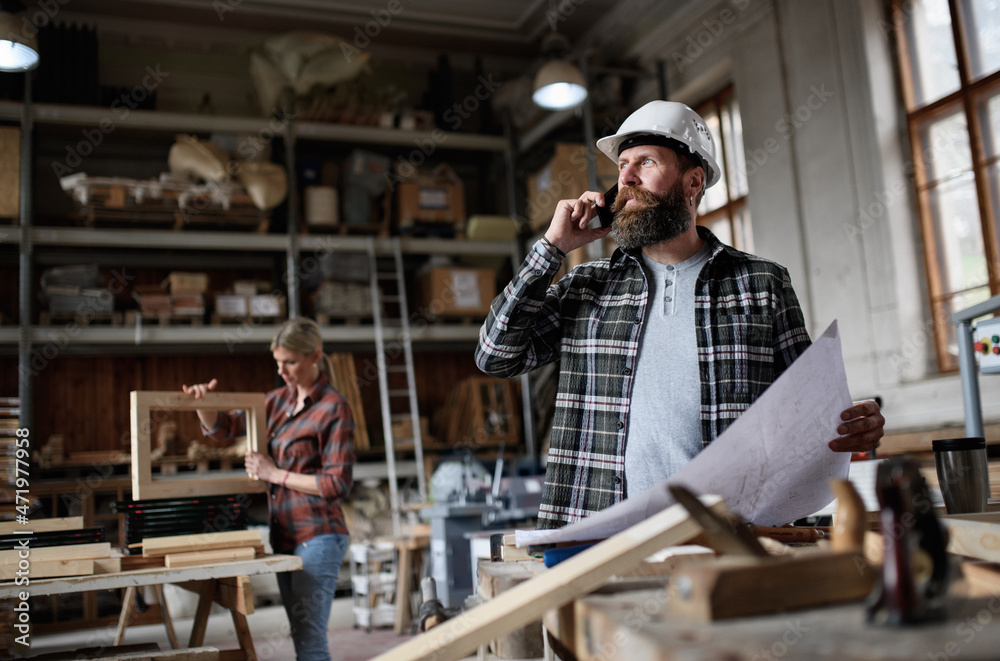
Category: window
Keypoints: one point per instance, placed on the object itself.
(949, 56)
(724, 208)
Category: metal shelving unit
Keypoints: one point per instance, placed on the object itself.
(293, 244)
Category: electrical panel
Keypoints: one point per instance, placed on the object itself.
(986, 343)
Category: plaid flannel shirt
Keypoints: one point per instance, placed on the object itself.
(318, 440)
(748, 325)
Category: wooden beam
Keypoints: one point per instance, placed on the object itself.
(50, 569)
(733, 586)
(68, 552)
(235, 593)
(208, 541)
(983, 578)
(42, 525)
(146, 486)
(109, 565)
(209, 557)
(578, 575)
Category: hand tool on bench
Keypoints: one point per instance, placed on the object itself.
(915, 570)
(725, 535)
(745, 580)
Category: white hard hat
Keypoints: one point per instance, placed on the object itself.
(673, 121)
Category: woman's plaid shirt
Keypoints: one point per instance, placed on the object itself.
(318, 440)
(748, 325)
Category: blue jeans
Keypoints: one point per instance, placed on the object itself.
(308, 594)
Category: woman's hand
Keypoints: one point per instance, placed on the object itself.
(199, 390)
(208, 418)
(262, 466)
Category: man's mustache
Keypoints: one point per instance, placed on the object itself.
(641, 195)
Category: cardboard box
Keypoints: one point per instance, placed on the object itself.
(181, 282)
(457, 292)
(245, 287)
(267, 305)
(434, 197)
(429, 203)
(231, 305)
(565, 177)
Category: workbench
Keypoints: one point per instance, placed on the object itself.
(626, 619)
(633, 625)
(224, 583)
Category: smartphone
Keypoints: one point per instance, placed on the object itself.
(604, 213)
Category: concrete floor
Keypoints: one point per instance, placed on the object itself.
(268, 625)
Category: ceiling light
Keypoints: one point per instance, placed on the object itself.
(18, 48)
(558, 84)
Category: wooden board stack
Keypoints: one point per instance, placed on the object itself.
(347, 385)
(204, 548)
(62, 560)
(9, 410)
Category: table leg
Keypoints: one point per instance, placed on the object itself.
(206, 594)
(167, 622)
(243, 634)
(404, 580)
(127, 614)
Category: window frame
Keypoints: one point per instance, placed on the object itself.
(732, 208)
(966, 99)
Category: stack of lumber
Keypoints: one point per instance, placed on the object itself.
(49, 560)
(167, 201)
(346, 382)
(483, 411)
(9, 410)
(204, 548)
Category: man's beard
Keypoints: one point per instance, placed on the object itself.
(657, 218)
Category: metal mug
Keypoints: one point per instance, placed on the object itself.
(962, 473)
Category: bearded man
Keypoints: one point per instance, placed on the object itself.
(661, 346)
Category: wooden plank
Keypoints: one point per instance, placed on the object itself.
(69, 552)
(632, 626)
(983, 578)
(734, 586)
(208, 557)
(206, 541)
(496, 578)
(145, 486)
(270, 564)
(973, 538)
(50, 569)
(578, 575)
(42, 525)
(10, 172)
(920, 441)
(109, 565)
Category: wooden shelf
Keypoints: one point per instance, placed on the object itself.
(156, 120)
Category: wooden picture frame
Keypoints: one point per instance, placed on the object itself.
(147, 486)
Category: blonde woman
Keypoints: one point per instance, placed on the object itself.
(308, 462)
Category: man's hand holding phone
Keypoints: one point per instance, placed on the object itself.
(569, 227)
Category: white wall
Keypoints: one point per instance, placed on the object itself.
(830, 195)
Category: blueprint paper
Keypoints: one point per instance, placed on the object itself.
(771, 466)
